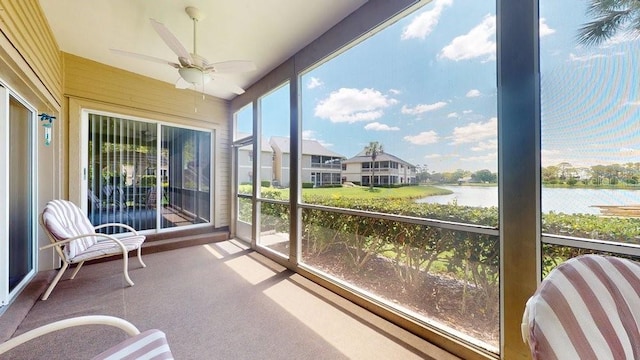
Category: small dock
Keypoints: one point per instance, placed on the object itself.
(619, 210)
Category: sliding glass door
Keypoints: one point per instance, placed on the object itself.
(17, 255)
(147, 175)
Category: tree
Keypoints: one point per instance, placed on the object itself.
(373, 149)
(550, 174)
(422, 173)
(566, 169)
(611, 17)
(484, 176)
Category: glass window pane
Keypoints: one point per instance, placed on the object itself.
(424, 128)
(274, 150)
(554, 255)
(590, 164)
(20, 175)
(405, 123)
(274, 157)
(439, 276)
(185, 169)
(122, 172)
(243, 122)
(274, 227)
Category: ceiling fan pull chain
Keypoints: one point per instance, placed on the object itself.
(203, 86)
(195, 38)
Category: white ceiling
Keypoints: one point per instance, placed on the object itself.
(266, 32)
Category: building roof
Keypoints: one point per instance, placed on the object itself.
(362, 157)
(309, 147)
(265, 144)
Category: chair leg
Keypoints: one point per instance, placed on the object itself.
(125, 263)
(55, 281)
(140, 257)
(73, 276)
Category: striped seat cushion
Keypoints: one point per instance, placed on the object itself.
(105, 247)
(587, 308)
(148, 345)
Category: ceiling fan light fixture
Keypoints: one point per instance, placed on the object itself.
(194, 76)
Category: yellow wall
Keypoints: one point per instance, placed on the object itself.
(25, 27)
(90, 85)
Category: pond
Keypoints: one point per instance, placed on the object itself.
(565, 200)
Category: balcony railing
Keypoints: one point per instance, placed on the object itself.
(326, 166)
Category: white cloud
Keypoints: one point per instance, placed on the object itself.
(314, 82)
(490, 158)
(486, 145)
(308, 134)
(473, 93)
(453, 115)
(422, 108)
(311, 135)
(585, 58)
(467, 112)
(551, 157)
(475, 132)
(629, 152)
(433, 156)
(424, 138)
(395, 91)
(423, 24)
(478, 42)
(353, 105)
(544, 29)
(376, 126)
(619, 38)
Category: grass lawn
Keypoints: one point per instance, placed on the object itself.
(363, 192)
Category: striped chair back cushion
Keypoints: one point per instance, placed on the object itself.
(587, 308)
(148, 345)
(63, 219)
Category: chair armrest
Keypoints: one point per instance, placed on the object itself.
(117, 225)
(122, 324)
(65, 241)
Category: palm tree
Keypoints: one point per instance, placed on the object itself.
(611, 17)
(373, 149)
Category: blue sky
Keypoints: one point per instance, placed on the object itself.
(425, 88)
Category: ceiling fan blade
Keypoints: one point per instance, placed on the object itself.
(172, 42)
(225, 84)
(144, 57)
(232, 66)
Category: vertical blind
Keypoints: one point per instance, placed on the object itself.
(145, 175)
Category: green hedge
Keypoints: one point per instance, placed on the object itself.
(415, 249)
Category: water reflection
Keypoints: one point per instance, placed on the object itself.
(568, 201)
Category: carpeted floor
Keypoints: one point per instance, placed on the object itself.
(216, 301)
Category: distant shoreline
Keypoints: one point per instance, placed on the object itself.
(555, 186)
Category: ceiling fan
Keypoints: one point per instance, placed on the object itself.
(194, 70)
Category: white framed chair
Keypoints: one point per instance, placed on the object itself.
(76, 240)
(586, 308)
(150, 344)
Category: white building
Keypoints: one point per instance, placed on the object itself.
(320, 165)
(245, 163)
(386, 170)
